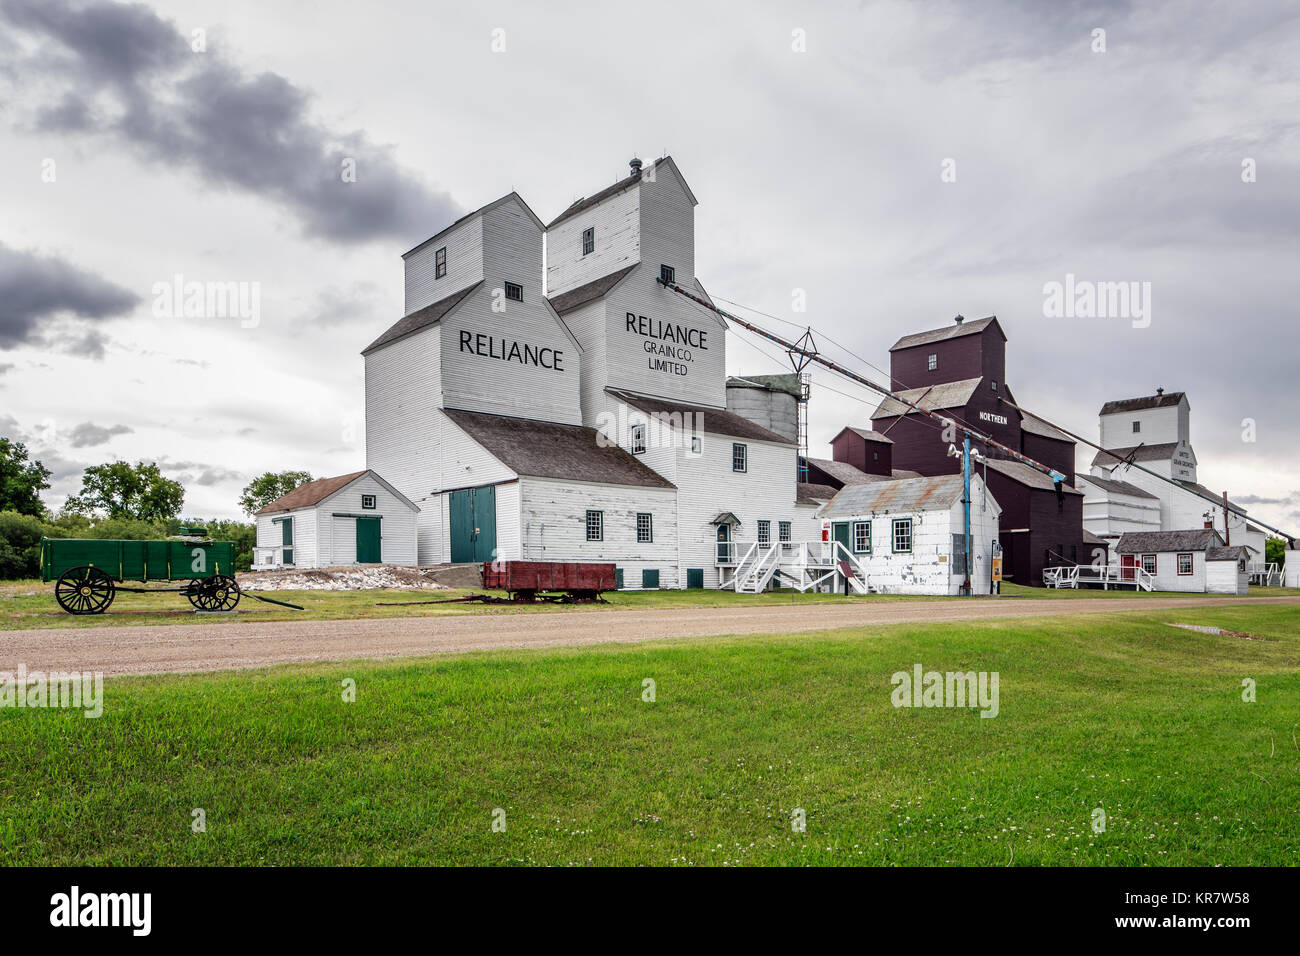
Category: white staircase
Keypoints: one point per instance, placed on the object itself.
(756, 569)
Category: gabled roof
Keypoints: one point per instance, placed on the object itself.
(948, 332)
(1118, 487)
(788, 383)
(869, 434)
(421, 318)
(843, 472)
(627, 182)
(1090, 538)
(1023, 474)
(1161, 452)
(540, 449)
(936, 493)
(1229, 553)
(470, 215)
(1146, 401)
(944, 395)
(312, 493)
(713, 421)
(1196, 539)
(811, 493)
(588, 292)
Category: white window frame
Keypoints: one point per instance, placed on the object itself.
(932, 361)
(764, 531)
(648, 535)
(896, 524)
(636, 439)
(595, 522)
(1155, 563)
(863, 527)
(1191, 564)
(589, 240)
(739, 456)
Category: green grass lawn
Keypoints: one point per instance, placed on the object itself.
(1117, 711)
(31, 604)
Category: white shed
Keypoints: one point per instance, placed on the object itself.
(352, 519)
(1226, 570)
(906, 535)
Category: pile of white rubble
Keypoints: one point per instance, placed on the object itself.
(341, 579)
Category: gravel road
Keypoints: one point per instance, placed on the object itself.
(165, 648)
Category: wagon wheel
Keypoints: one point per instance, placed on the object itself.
(217, 593)
(224, 593)
(84, 591)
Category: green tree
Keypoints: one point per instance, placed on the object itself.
(121, 490)
(264, 489)
(21, 480)
(20, 541)
(1275, 551)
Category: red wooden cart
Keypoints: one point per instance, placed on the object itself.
(525, 580)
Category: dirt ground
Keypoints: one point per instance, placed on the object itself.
(199, 647)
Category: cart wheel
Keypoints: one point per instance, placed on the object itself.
(224, 592)
(217, 593)
(84, 591)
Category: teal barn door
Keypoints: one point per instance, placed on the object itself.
(473, 524)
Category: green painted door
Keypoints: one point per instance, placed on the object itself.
(368, 546)
(649, 577)
(724, 544)
(473, 524)
(695, 577)
(840, 533)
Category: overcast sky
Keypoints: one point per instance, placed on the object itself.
(816, 142)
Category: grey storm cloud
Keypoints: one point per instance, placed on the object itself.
(124, 72)
(197, 472)
(88, 434)
(36, 289)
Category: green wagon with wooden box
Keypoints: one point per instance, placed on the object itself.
(89, 572)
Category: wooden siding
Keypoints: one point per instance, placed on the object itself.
(928, 568)
(617, 222)
(464, 246)
(1158, 426)
(873, 457)
(337, 543)
(979, 355)
(628, 364)
(512, 252)
(554, 526)
(1058, 527)
(918, 440)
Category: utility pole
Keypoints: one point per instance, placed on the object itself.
(965, 507)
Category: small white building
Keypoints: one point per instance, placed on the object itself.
(907, 536)
(1226, 570)
(352, 519)
(1195, 560)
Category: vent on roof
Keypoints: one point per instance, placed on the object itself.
(636, 166)
(959, 319)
